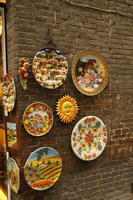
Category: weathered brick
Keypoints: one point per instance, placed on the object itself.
(77, 28)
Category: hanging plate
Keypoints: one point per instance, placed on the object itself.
(9, 92)
(89, 73)
(50, 67)
(11, 129)
(43, 168)
(89, 138)
(13, 174)
(38, 119)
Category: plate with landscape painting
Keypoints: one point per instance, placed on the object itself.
(9, 92)
(50, 67)
(89, 138)
(13, 174)
(11, 133)
(43, 168)
(38, 119)
(89, 73)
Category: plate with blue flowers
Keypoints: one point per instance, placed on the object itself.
(89, 138)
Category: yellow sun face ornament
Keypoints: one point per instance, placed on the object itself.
(67, 108)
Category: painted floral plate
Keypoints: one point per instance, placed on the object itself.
(9, 92)
(13, 174)
(89, 138)
(50, 67)
(89, 73)
(43, 168)
(38, 119)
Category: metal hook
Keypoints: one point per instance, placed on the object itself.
(50, 39)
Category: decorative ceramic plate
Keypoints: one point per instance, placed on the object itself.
(9, 92)
(13, 174)
(50, 67)
(11, 133)
(38, 119)
(89, 73)
(43, 168)
(89, 138)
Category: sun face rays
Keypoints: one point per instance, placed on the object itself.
(67, 108)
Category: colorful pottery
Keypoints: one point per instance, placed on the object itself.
(67, 108)
(23, 71)
(38, 119)
(9, 92)
(89, 73)
(50, 67)
(11, 134)
(89, 138)
(43, 168)
(13, 174)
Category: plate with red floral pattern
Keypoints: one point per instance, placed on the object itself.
(38, 119)
(89, 138)
(50, 67)
(89, 73)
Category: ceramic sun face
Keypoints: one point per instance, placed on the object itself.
(67, 109)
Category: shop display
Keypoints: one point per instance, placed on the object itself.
(67, 108)
(38, 119)
(9, 92)
(13, 174)
(11, 134)
(43, 168)
(23, 72)
(50, 67)
(89, 73)
(89, 138)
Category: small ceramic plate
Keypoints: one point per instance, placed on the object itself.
(89, 138)
(13, 174)
(43, 168)
(11, 133)
(9, 92)
(50, 68)
(89, 73)
(38, 119)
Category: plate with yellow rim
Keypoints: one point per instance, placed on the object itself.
(43, 168)
(38, 119)
(89, 73)
(89, 138)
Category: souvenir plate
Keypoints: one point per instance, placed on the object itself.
(11, 133)
(9, 92)
(13, 174)
(50, 67)
(43, 168)
(38, 119)
(89, 138)
(89, 73)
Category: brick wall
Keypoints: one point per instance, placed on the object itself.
(75, 28)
